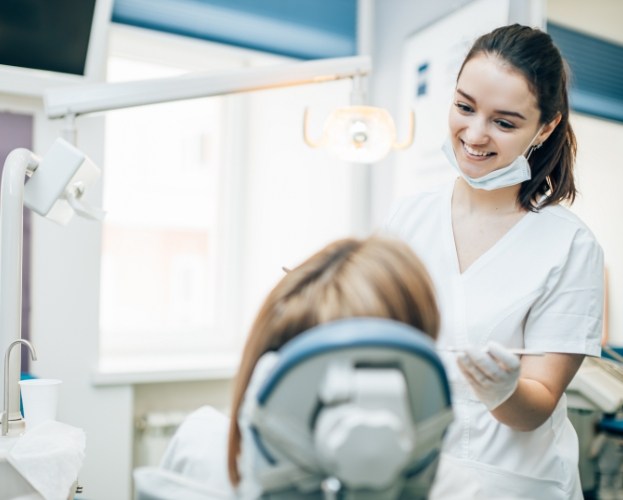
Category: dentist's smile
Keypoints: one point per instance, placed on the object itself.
(475, 153)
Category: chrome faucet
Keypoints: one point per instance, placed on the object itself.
(33, 356)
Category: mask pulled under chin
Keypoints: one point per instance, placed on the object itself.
(515, 173)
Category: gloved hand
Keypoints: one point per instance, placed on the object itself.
(492, 373)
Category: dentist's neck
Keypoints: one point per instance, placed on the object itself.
(501, 201)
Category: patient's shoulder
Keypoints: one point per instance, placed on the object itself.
(206, 424)
(203, 429)
(198, 449)
(207, 415)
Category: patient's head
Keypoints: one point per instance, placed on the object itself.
(377, 277)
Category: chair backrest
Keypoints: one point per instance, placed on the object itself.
(358, 406)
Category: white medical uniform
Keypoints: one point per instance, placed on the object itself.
(539, 287)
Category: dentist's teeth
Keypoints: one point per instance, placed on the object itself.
(473, 151)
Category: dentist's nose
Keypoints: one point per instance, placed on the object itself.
(476, 133)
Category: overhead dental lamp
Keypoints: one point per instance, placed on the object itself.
(54, 188)
(358, 133)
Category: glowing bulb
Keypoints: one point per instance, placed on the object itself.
(358, 134)
(361, 134)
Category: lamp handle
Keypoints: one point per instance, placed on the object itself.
(81, 208)
(410, 135)
(308, 140)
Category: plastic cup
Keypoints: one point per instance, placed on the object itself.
(39, 400)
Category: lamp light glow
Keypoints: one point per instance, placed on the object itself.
(359, 134)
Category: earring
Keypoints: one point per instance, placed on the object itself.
(533, 149)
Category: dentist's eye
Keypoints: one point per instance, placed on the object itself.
(463, 108)
(504, 124)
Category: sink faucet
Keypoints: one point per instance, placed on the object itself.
(33, 356)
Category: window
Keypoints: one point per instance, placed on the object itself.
(205, 203)
(163, 180)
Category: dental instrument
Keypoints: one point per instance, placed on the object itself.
(517, 351)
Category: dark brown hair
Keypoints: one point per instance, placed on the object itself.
(377, 277)
(532, 52)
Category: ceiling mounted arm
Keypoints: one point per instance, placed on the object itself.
(99, 97)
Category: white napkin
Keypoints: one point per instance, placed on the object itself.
(49, 457)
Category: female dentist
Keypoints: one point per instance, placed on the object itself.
(512, 267)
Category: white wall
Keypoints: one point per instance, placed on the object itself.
(65, 274)
(600, 176)
(394, 22)
(599, 166)
(295, 210)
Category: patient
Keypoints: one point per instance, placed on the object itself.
(373, 277)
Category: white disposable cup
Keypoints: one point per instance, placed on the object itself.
(40, 400)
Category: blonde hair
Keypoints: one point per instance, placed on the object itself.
(377, 277)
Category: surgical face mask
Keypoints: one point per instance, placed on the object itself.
(515, 173)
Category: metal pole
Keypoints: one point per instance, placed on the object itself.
(17, 164)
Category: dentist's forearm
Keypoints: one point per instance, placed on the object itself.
(541, 384)
(528, 408)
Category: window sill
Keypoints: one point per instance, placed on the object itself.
(130, 371)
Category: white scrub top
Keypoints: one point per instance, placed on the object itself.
(539, 287)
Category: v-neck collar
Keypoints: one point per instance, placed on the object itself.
(491, 252)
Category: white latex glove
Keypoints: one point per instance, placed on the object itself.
(493, 373)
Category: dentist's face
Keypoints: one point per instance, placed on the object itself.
(493, 116)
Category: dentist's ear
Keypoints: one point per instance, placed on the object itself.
(547, 130)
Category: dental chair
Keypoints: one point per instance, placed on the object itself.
(355, 409)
